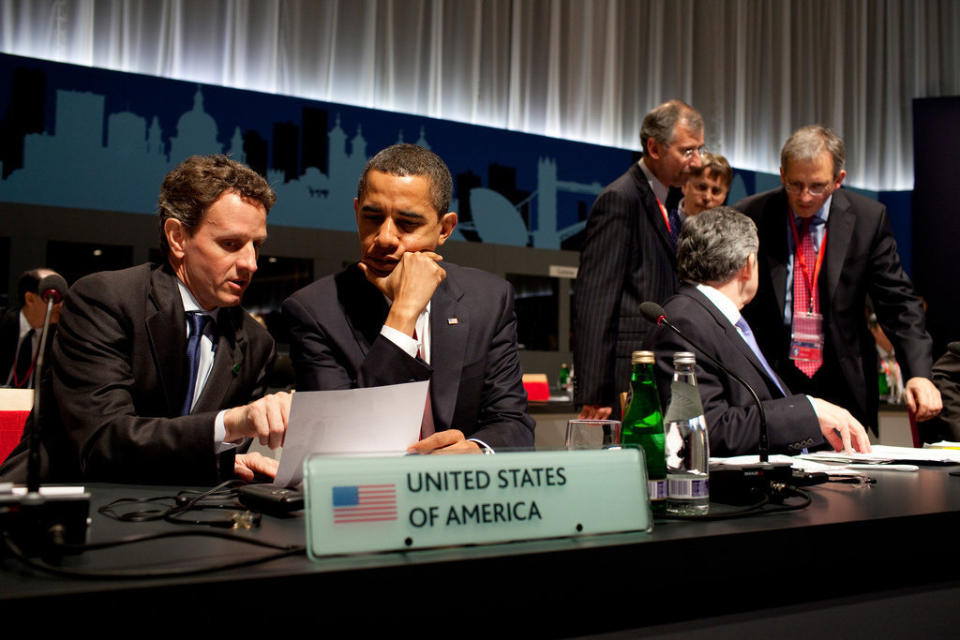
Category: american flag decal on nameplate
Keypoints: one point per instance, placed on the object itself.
(365, 503)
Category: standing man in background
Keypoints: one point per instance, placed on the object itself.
(823, 250)
(707, 187)
(20, 330)
(629, 256)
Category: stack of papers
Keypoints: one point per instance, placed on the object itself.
(882, 458)
(808, 466)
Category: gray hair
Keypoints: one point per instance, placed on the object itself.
(410, 160)
(807, 143)
(661, 123)
(715, 245)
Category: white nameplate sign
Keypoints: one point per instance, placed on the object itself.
(412, 502)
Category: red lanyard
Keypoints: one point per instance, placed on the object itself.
(663, 212)
(798, 256)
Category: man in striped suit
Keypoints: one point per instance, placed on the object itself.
(629, 256)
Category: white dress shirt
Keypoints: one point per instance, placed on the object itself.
(421, 346)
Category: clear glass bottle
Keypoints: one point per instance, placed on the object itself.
(643, 427)
(687, 446)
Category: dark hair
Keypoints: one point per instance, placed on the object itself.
(714, 245)
(196, 183)
(410, 160)
(808, 142)
(28, 282)
(661, 123)
(714, 163)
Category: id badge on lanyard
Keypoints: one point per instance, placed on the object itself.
(806, 336)
(806, 339)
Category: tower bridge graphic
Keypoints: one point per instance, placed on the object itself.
(117, 161)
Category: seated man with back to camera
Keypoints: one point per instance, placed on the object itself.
(717, 262)
(156, 370)
(403, 314)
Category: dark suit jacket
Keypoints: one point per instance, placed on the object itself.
(475, 376)
(118, 379)
(732, 418)
(627, 259)
(946, 375)
(9, 336)
(861, 260)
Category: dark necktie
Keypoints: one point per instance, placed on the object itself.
(675, 224)
(427, 427)
(21, 375)
(197, 322)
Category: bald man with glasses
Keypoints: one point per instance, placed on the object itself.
(823, 250)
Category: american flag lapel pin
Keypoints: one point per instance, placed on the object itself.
(453, 321)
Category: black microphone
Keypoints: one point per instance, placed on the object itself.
(52, 286)
(39, 523)
(51, 289)
(655, 314)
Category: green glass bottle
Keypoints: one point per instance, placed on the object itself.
(643, 427)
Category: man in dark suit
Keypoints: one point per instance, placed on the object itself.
(717, 260)
(946, 375)
(402, 314)
(154, 366)
(823, 250)
(629, 256)
(20, 330)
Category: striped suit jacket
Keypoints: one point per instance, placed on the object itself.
(627, 259)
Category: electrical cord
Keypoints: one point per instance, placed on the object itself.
(222, 498)
(783, 491)
(283, 551)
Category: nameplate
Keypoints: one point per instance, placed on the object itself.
(413, 502)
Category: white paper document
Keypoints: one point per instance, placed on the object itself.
(885, 455)
(796, 462)
(375, 420)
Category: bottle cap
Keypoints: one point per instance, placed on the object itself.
(641, 357)
(683, 357)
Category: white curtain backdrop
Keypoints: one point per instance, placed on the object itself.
(578, 69)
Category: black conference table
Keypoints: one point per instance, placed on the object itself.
(859, 561)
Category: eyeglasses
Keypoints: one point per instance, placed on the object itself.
(689, 153)
(815, 190)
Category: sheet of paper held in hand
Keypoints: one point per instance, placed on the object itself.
(373, 420)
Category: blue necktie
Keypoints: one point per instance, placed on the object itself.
(197, 322)
(675, 224)
(752, 342)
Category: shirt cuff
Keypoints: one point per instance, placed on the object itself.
(402, 340)
(220, 432)
(484, 447)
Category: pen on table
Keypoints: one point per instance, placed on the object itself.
(884, 467)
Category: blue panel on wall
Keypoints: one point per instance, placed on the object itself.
(106, 139)
(97, 139)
